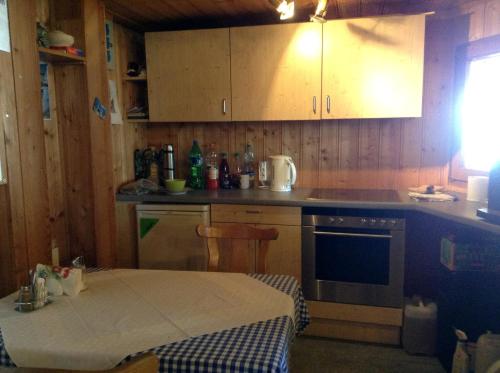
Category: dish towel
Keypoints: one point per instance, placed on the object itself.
(436, 197)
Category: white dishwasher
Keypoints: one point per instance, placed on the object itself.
(167, 236)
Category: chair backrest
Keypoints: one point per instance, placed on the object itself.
(144, 363)
(237, 232)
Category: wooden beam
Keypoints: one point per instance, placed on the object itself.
(22, 19)
(14, 189)
(100, 134)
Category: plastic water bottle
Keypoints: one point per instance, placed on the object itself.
(196, 180)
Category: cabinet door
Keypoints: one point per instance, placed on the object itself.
(189, 75)
(284, 255)
(276, 72)
(373, 67)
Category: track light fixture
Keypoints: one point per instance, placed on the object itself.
(285, 8)
(320, 13)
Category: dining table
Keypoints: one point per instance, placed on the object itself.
(192, 321)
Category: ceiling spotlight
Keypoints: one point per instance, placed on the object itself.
(320, 13)
(285, 8)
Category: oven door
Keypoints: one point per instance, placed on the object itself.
(353, 265)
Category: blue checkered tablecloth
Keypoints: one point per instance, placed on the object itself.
(258, 347)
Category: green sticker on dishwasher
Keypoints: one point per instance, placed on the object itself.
(147, 224)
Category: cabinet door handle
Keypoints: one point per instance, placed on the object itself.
(314, 104)
(224, 106)
(253, 212)
(328, 104)
(342, 234)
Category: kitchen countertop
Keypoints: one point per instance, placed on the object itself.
(460, 211)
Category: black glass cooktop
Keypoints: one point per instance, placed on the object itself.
(361, 195)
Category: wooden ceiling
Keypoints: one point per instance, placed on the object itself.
(175, 14)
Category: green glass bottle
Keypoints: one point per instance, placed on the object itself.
(196, 179)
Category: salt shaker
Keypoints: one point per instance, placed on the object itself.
(25, 299)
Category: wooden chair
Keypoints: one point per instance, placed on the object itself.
(237, 232)
(145, 363)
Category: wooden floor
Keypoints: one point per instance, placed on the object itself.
(321, 355)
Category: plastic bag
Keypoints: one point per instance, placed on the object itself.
(139, 187)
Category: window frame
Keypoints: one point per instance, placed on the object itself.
(465, 54)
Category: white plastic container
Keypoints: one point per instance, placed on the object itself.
(487, 352)
(419, 327)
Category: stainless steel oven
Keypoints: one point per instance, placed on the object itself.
(356, 258)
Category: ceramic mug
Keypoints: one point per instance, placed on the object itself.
(244, 181)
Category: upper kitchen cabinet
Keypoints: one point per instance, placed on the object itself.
(189, 76)
(276, 72)
(373, 67)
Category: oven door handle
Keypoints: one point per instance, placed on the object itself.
(340, 234)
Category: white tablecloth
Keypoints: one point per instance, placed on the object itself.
(127, 311)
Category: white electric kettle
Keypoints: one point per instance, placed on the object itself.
(283, 173)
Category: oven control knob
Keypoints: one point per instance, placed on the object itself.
(373, 221)
(383, 221)
(332, 220)
(340, 220)
(393, 222)
(363, 221)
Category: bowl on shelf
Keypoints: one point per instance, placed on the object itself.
(175, 185)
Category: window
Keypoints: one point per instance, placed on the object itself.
(480, 130)
(478, 109)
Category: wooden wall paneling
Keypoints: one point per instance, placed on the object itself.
(410, 152)
(126, 138)
(16, 213)
(272, 138)
(240, 138)
(67, 16)
(211, 134)
(22, 19)
(438, 100)
(348, 154)
(370, 7)
(369, 150)
(310, 154)
(6, 278)
(390, 140)
(225, 138)
(291, 146)
(76, 150)
(119, 132)
(198, 134)
(329, 153)
(492, 18)
(100, 134)
(119, 155)
(185, 137)
(475, 10)
(56, 175)
(255, 137)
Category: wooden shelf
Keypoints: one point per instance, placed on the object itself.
(137, 120)
(135, 78)
(58, 56)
